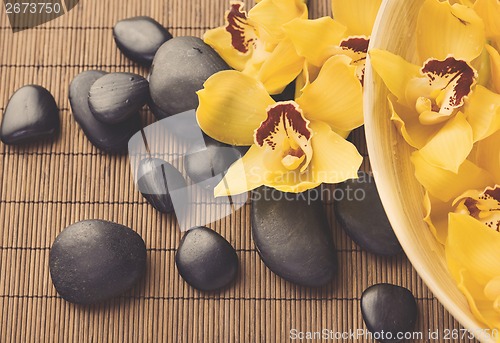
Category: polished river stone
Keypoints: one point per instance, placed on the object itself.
(206, 165)
(115, 97)
(95, 260)
(360, 212)
(389, 309)
(156, 180)
(179, 69)
(293, 237)
(205, 260)
(109, 138)
(30, 115)
(139, 38)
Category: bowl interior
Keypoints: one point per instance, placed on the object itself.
(389, 154)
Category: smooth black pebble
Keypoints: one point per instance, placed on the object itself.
(109, 138)
(205, 260)
(139, 38)
(157, 179)
(179, 69)
(292, 235)
(31, 114)
(95, 260)
(360, 212)
(207, 165)
(389, 309)
(115, 97)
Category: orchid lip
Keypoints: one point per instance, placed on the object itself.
(484, 206)
(236, 21)
(287, 132)
(356, 47)
(451, 80)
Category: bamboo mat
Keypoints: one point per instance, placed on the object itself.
(49, 186)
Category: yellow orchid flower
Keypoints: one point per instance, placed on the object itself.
(255, 43)
(294, 144)
(472, 253)
(438, 105)
(319, 39)
(468, 224)
(443, 188)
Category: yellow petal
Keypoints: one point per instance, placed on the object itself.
(269, 16)
(356, 48)
(451, 145)
(280, 68)
(334, 159)
(293, 182)
(408, 122)
(335, 97)
(357, 15)
(313, 38)
(489, 11)
(309, 74)
(395, 71)
(444, 29)
(232, 106)
(475, 245)
(220, 40)
(495, 67)
(488, 155)
(483, 112)
(492, 289)
(436, 216)
(245, 174)
(473, 291)
(446, 185)
(482, 205)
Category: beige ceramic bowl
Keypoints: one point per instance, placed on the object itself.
(401, 194)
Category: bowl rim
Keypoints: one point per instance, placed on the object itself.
(387, 189)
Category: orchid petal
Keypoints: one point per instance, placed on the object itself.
(444, 29)
(408, 122)
(293, 182)
(334, 159)
(488, 155)
(281, 67)
(335, 97)
(224, 114)
(395, 71)
(356, 48)
(357, 15)
(220, 40)
(451, 145)
(269, 16)
(451, 80)
(313, 38)
(472, 252)
(484, 206)
(286, 133)
(489, 11)
(446, 185)
(309, 74)
(495, 67)
(436, 216)
(483, 309)
(475, 245)
(245, 174)
(483, 112)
